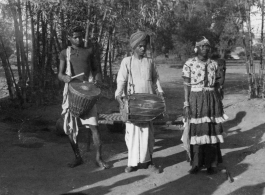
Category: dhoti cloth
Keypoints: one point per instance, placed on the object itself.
(70, 122)
(139, 139)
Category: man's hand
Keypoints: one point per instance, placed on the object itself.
(119, 99)
(100, 84)
(161, 95)
(66, 78)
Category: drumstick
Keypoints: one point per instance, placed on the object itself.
(77, 75)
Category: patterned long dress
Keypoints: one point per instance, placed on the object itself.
(207, 112)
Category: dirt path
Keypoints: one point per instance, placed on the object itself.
(33, 158)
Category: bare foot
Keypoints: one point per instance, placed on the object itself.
(153, 169)
(102, 164)
(130, 169)
(194, 170)
(75, 163)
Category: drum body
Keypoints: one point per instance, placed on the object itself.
(141, 107)
(82, 97)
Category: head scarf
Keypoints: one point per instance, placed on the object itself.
(202, 42)
(136, 38)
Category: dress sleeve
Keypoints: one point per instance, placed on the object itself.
(186, 71)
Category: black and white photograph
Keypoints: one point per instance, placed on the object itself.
(132, 97)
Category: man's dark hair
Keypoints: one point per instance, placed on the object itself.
(75, 29)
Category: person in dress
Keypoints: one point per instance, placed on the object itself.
(203, 108)
(138, 74)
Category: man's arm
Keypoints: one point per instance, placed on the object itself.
(95, 65)
(156, 81)
(61, 75)
(122, 79)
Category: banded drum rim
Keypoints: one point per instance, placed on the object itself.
(74, 91)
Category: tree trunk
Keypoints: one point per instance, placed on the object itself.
(110, 62)
(261, 83)
(43, 52)
(251, 67)
(58, 46)
(106, 59)
(9, 80)
(33, 46)
(25, 68)
(63, 34)
(88, 22)
(9, 74)
(102, 25)
(14, 15)
(49, 71)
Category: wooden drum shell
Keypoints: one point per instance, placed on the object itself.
(81, 101)
(142, 107)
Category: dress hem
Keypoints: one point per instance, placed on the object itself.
(207, 119)
(206, 139)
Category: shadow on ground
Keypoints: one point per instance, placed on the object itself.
(191, 184)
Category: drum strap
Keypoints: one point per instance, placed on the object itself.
(130, 80)
(68, 72)
(70, 122)
(68, 63)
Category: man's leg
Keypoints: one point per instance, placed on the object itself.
(98, 146)
(78, 159)
(151, 141)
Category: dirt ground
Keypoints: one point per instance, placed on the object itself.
(33, 156)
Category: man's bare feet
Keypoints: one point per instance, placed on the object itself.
(153, 169)
(130, 169)
(75, 163)
(102, 164)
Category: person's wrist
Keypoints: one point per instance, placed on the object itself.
(64, 78)
(186, 104)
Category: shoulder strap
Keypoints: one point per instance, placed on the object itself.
(68, 63)
(130, 78)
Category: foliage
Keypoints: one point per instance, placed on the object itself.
(174, 25)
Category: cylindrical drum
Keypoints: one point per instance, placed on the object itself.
(142, 107)
(82, 97)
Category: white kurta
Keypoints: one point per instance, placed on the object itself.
(144, 77)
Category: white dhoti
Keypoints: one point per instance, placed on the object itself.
(138, 76)
(140, 142)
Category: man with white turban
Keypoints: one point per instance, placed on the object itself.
(138, 74)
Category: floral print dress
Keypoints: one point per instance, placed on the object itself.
(205, 104)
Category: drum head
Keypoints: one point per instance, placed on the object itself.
(84, 89)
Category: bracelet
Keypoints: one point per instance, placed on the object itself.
(186, 104)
